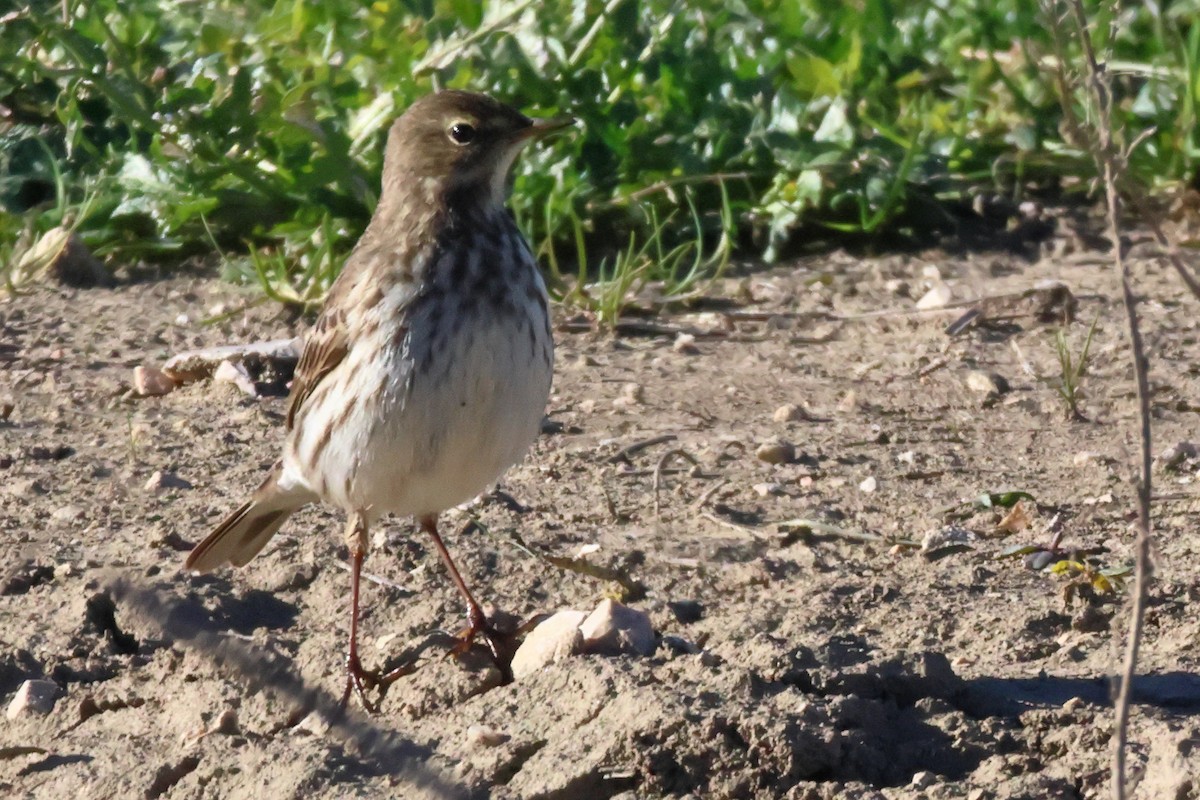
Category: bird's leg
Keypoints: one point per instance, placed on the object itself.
(358, 679)
(478, 620)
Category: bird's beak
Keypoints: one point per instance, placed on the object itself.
(544, 127)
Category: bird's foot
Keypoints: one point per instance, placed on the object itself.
(501, 644)
(359, 681)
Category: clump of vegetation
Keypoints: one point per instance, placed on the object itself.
(254, 128)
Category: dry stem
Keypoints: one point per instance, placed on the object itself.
(1111, 161)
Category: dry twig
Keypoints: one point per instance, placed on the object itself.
(1111, 159)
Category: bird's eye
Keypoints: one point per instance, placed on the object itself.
(462, 133)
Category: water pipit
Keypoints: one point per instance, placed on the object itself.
(426, 374)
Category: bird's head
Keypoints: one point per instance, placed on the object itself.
(459, 144)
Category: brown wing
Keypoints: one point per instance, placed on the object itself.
(325, 347)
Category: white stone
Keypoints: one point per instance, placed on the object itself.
(151, 382)
(982, 382)
(613, 629)
(165, 480)
(789, 412)
(923, 780)
(869, 484)
(555, 639)
(485, 736)
(938, 296)
(33, 697)
(229, 372)
(685, 343)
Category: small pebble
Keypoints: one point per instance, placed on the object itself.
(1040, 560)
(776, 452)
(938, 296)
(685, 343)
(790, 412)
(986, 383)
(165, 480)
(686, 611)
(869, 484)
(556, 638)
(33, 697)
(314, 723)
(767, 489)
(151, 382)
(947, 536)
(1175, 455)
(1073, 705)
(229, 372)
(614, 628)
(227, 723)
(66, 513)
(485, 736)
(923, 780)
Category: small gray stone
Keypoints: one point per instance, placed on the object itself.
(613, 629)
(33, 697)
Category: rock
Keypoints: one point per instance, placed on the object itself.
(151, 382)
(1175, 455)
(67, 513)
(685, 343)
(229, 372)
(193, 365)
(557, 638)
(33, 697)
(1040, 560)
(485, 736)
(938, 296)
(165, 480)
(613, 629)
(790, 412)
(314, 723)
(632, 394)
(227, 723)
(923, 780)
(767, 489)
(950, 537)
(686, 611)
(869, 484)
(776, 452)
(986, 383)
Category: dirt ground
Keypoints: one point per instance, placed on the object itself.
(794, 661)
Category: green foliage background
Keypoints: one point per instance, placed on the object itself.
(162, 130)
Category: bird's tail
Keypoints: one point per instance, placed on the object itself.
(246, 531)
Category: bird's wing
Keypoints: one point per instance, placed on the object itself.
(324, 348)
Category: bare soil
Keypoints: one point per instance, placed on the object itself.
(794, 661)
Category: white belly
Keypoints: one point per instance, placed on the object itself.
(440, 421)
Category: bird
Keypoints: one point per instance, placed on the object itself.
(427, 372)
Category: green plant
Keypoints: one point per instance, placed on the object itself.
(250, 126)
(1072, 368)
